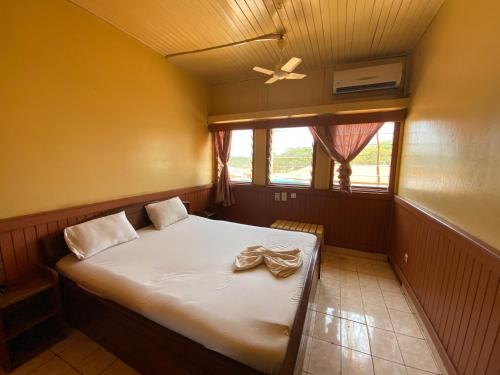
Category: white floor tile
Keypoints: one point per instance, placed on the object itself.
(324, 358)
(352, 309)
(396, 301)
(354, 336)
(405, 323)
(416, 353)
(384, 345)
(356, 363)
(383, 367)
(377, 316)
(327, 328)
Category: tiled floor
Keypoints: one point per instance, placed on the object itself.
(77, 354)
(361, 324)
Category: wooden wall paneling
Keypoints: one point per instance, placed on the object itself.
(41, 230)
(19, 244)
(472, 290)
(489, 361)
(446, 299)
(487, 321)
(473, 321)
(54, 227)
(454, 299)
(19, 236)
(430, 255)
(415, 277)
(61, 224)
(454, 280)
(436, 276)
(8, 256)
(359, 221)
(32, 244)
(445, 291)
(460, 307)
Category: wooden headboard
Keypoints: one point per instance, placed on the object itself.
(54, 247)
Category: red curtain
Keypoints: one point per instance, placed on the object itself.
(343, 143)
(224, 193)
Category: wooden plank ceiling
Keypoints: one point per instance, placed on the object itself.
(321, 32)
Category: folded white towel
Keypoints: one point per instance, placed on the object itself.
(282, 263)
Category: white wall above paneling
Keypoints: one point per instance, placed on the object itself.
(321, 32)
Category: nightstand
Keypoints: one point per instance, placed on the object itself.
(30, 317)
(208, 213)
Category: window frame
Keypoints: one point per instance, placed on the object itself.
(268, 162)
(392, 172)
(252, 182)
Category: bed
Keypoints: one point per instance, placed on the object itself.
(169, 302)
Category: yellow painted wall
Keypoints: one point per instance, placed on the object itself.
(89, 114)
(451, 150)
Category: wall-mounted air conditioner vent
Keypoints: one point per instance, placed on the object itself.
(375, 77)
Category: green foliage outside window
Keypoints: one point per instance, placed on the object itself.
(300, 157)
(292, 159)
(369, 155)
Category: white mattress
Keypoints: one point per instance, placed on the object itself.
(181, 278)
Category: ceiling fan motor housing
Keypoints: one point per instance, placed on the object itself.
(280, 74)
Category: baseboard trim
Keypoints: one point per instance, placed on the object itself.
(356, 253)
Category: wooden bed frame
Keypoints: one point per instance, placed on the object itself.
(149, 347)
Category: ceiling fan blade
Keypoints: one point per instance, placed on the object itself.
(263, 70)
(291, 64)
(272, 80)
(295, 76)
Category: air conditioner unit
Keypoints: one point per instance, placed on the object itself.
(374, 77)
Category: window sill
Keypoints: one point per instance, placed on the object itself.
(238, 183)
(290, 186)
(367, 189)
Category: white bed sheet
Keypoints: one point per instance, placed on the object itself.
(182, 278)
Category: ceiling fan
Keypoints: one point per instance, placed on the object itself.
(283, 72)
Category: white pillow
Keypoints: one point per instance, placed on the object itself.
(165, 213)
(93, 236)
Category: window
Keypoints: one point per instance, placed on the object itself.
(372, 167)
(290, 156)
(241, 158)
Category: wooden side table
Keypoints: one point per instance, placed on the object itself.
(207, 213)
(316, 229)
(30, 317)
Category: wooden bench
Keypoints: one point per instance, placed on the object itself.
(297, 226)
